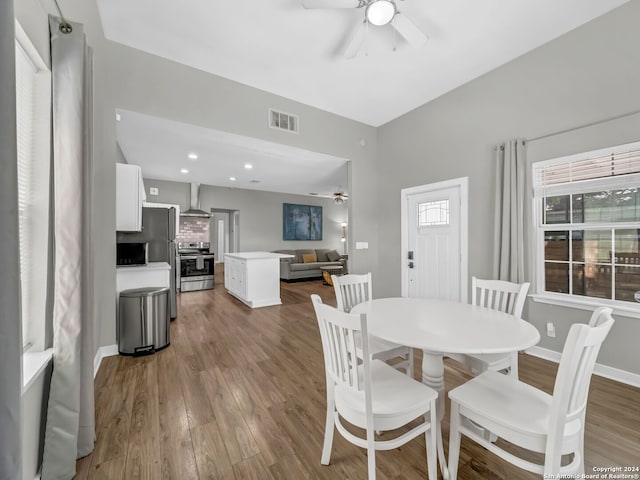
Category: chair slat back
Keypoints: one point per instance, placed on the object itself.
(571, 388)
(499, 295)
(581, 360)
(337, 331)
(351, 290)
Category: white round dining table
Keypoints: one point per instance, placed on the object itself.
(438, 326)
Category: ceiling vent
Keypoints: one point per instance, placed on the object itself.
(283, 121)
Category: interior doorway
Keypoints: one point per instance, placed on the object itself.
(434, 240)
(224, 228)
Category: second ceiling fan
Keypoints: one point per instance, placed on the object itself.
(376, 13)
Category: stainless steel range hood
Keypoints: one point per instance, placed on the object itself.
(194, 207)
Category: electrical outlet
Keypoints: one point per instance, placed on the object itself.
(551, 329)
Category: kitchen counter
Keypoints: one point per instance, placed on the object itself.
(257, 255)
(153, 274)
(145, 268)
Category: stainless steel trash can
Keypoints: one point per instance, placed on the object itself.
(143, 321)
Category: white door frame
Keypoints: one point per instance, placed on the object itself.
(463, 184)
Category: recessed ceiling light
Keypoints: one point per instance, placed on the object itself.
(248, 166)
(184, 170)
(193, 156)
(233, 179)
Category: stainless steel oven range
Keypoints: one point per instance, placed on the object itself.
(196, 266)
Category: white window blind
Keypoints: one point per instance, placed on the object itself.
(25, 121)
(620, 166)
(33, 125)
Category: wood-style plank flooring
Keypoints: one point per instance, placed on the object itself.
(240, 394)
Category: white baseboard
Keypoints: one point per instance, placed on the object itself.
(106, 351)
(611, 373)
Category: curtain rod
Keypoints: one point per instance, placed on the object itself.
(624, 115)
(64, 27)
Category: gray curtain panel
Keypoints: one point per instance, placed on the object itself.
(10, 325)
(509, 254)
(70, 430)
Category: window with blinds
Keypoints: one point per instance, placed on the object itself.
(588, 222)
(33, 149)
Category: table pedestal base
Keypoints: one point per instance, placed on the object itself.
(433, 376)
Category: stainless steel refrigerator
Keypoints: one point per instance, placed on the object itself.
(159, 232)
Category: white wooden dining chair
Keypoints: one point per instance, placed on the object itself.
(506, 297)
(368, 393)
(353, 289)
(530, 418)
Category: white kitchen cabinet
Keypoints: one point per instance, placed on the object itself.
(235, 272)
(129, 197)
(254, 277)
(153, 274)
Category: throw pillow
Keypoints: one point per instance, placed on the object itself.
(333, 256)
(309, 258)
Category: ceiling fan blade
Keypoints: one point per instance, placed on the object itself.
(356, 40)
(331, 3)
(409, 30)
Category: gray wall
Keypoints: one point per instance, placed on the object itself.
(120, 158)
(586, 76)
(260, 213)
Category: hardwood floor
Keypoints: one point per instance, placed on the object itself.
(240, 394)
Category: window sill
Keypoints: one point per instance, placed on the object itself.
(33, 364)
(624, 309)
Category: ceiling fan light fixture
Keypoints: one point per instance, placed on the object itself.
(380, 12)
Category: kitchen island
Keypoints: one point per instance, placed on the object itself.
(254, 277)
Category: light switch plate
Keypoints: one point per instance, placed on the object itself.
(362, 245)
(153, 191)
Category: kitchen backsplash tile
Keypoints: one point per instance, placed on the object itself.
(193, 229)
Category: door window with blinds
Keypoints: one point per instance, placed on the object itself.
(588, 224)
(33, 147)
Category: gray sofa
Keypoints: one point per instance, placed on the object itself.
(296, 269)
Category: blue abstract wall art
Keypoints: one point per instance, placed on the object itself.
(301, 222)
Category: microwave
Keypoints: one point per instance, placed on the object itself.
(131, 254)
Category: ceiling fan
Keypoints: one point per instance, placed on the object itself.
(340, 197)
(377, 13)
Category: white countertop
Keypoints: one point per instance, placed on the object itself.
(147, 267)
(257, 255)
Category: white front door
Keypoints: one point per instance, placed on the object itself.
(434, 241)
